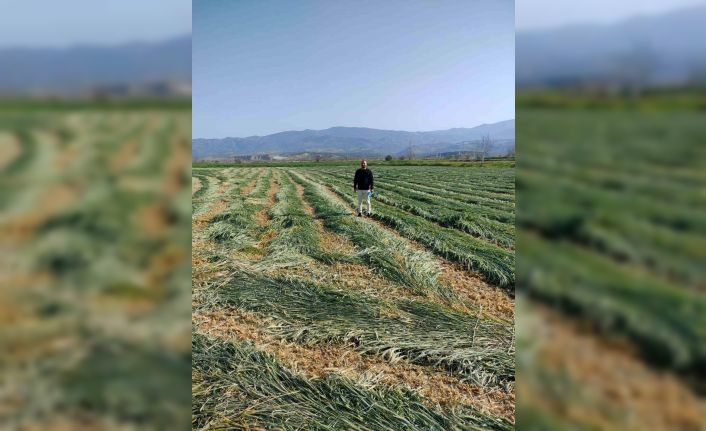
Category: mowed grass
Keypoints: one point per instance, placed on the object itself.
(94, 243)
(619, 243)
(238, 387)
(495, 263)
(612, 236)
(258, 246)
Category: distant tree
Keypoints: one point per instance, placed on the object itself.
(318, 158)
(484, 147)
(388, 158)
(400, 158)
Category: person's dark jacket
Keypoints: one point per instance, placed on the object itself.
(363, 179)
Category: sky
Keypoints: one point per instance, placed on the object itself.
(47, 23)
(266, 66)
(540, 14)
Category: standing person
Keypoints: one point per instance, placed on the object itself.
(363, 184)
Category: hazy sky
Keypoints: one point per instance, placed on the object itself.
(266, 66)
(534, 14)
(60, 23)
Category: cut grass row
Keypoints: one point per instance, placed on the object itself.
(237, 228)
(388, 255)
(666, 240)
(493, 184)
(308, 313)
(236, 386)
(496, 264)
(425, 333)
(494, 188)
(668, 323)
(296, 232)
(499, 209)
(208, 185)
(473, 221)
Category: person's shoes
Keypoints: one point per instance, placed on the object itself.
(360, 214)
(369, 214)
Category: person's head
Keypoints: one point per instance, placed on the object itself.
(363, 164)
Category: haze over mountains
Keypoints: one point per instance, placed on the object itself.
(359, 141)
(66, 71)
(666, 49)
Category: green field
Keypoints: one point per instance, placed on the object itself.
(94, 245)
(500, 162)
(318, 319)
(612, 236)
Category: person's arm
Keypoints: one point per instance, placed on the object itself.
(371, 181)
(355, 181)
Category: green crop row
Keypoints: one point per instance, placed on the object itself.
(614, 214)
(428, 207)
(389, 256)
(271, 396)
(236, 227)
(495, 263)
(422, 332)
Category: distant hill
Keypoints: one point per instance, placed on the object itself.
(357, 141)
(80, 68)
(651, 50)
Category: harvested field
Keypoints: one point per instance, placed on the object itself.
(94, 246)
(305, 313)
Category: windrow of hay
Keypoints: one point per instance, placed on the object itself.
(321, 360)
(238, 386)
(568, 371)
(276, 281)
(476, 350)
(389, 256)
(495, 263)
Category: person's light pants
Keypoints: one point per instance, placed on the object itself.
(363, 194)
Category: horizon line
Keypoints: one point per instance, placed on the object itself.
(75, 45)
(354, 127)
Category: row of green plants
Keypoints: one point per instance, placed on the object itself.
(496, 264)
(236, 227)
(491, 183)
(474, 349)
(502, 203)
(296, 231)
(97, 258)
(613, 210)
(271, 396)
(487, 185)
(667, 240)
(389, 256)
(428, 206)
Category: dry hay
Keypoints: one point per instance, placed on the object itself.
(10, 149)
(490, 300)
(195, 185)
(321, 360)
(611, 373)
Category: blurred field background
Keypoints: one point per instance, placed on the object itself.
(611, 207)
(95, 125)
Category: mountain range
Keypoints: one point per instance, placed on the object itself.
(359, 141)
(80, 68)
(666, 49)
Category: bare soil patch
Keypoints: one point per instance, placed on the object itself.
(612, 373)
